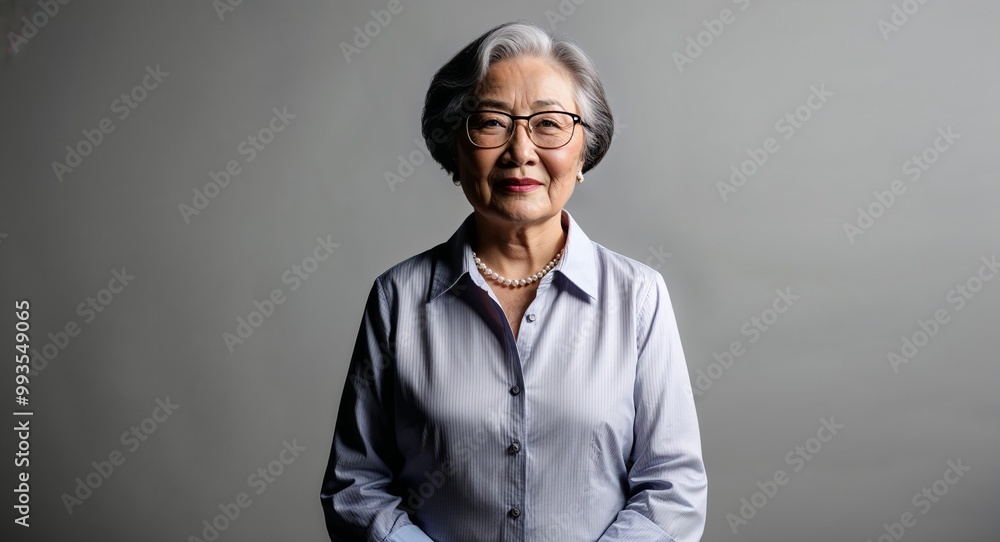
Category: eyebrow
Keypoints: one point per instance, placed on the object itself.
(505, 106)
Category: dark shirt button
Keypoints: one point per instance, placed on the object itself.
(514, 390)
(514, 447)
(514, 512)
(531, 317)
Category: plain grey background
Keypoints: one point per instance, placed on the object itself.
(682, 126)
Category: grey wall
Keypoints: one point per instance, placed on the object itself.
(655, 198)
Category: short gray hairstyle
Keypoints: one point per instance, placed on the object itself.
(451, 98)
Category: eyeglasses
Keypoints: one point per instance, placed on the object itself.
(546, 129)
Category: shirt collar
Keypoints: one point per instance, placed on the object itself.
(454, 258)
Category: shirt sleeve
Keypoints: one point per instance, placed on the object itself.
(356, 495)
(410, 533)
(667, 481)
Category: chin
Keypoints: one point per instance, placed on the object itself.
(522, 212)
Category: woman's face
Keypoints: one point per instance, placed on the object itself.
(521, 86)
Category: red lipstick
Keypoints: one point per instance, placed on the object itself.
(518, 184)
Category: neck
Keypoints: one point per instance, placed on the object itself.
(518, 251)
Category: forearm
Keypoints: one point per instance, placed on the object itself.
(356, 493)
(666, 512)
(631, 525)
(668, 483)
(363, 512)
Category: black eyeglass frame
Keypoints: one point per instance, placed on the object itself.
(514, 118)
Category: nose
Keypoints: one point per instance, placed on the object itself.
(520, 148)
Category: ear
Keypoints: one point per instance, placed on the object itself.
(454, 160)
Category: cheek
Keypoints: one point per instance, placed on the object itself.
(468, 160)
(484, 160)
(567, 165)
(568, 162)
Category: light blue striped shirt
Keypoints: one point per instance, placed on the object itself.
(583, 428)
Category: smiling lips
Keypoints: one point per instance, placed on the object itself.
(518, 184)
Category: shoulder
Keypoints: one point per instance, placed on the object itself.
(643, 289)
(636, 286)
(411, 276)
(626, 274)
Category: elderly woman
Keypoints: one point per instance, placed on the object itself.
(519, 381)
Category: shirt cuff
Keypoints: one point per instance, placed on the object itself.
(410, 533)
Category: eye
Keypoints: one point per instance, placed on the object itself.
(552, 123)
(488, 121)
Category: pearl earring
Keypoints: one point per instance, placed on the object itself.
(579, 177)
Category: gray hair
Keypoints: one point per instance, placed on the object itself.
(451, 94)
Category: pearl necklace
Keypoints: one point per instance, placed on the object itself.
(516, 282)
